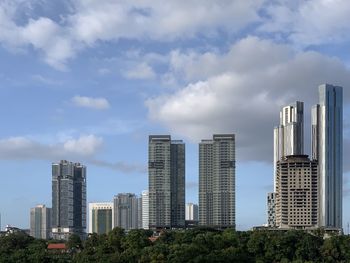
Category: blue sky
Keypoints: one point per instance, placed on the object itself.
(89, 80)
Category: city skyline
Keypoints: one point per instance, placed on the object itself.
(74, 88)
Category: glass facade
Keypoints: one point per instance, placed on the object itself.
(328, 148)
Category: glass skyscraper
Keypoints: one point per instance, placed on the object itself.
(68, 199)
(327, 148)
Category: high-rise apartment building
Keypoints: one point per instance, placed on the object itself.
(139, 212)
(125, 214)
(289, 135)
(327, 148)
(40, 222)
(145, 209)
(100, 217)
(166, 182)
(271, 209)
(297, 192)
(217, 166)
(191, 212)
(68, 199)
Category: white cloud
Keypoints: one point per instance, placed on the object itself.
(18, 148)
(157, 19)
(89, 22)
(89, 102)
(140, 71)
(242, 92)
(309, 22)
(85, 145)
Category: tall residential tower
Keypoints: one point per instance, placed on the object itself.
(68, 199)
(217, 166)
(166, 169)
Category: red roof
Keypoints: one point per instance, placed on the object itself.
(152, 239)
(57, 246)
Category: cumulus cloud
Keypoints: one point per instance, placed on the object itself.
(88, 22)
(141, 71)
(23, 148)
(309, 22)
(159, 20)
(242, 91)
(89, 102)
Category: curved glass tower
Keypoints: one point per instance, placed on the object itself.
(327, 148)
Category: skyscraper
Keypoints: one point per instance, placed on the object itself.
(40, 222)
(145, 209)
(68, 199)
(289, 135)
(100, 217)
(217, 166)
(191, 212)
(125, 211)
(166, 182)
(296, 192)
(327, 148)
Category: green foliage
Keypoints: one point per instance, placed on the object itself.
(198, 245)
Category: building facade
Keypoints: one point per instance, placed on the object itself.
(125, 214)
(327, 148)
(192, 212)
(217, 166)
(297, 193)
(40, 222)
(271, 209)
(145, 209)
(100, 217)
(166, 171)
(289, 135)
(68, 199)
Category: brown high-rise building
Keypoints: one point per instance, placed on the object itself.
(297, 193)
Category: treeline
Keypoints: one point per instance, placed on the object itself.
(196, 245)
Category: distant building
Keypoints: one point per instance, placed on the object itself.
(12, 230)
(191, 212)
(297, 193)
(217, 172)
(327, 148)
(68, 200)
(139, 212)
(145, 209)
(40, 222)
(271, 209)
(100, 217)
(125, 209)
(289, 135)
(166, 169)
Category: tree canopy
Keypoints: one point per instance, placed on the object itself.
(194, 245)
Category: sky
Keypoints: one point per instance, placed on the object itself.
(89, 80)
